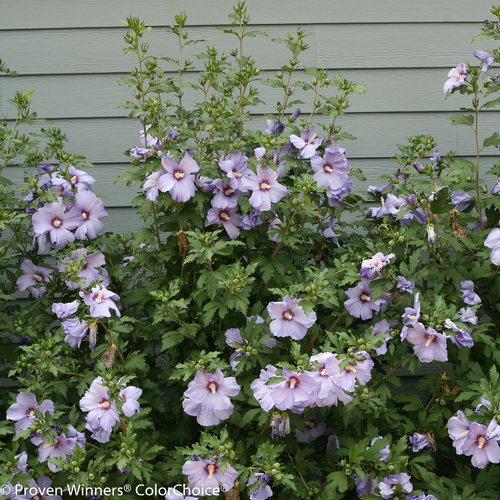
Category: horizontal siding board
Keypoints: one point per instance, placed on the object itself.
(119, 195)
(89, 96)
(18, 14)
(342, 46)
(105, 140)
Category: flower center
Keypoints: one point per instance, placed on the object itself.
(224, 215)
(322, 371)
(212, 387)
(287, 315)
(481, 442)
(412, 316)
(152, 181)
(211, 468)
(430, 340)
(311, 139)
(350, 368)
(56, 222)
(465, 432)
(328, 169)
(265, 186)
(228, 191)
(179, 174)
(237, 174)
(98, 298)
(105, 404)
(30, 412)
(38, 277)
(365, 298)
(293, 382)
(455, 75)
(85, 215)
(36, 497)
(74, 180)
(275, 159)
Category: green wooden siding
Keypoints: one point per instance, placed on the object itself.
(70, 53)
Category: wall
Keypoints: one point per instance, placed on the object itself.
(70, 53)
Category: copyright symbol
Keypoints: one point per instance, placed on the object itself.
(127, 488)
(5, 490)
(224, 488)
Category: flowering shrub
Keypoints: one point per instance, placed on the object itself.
(257, 336)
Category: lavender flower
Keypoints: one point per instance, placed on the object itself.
(207, 397)
(265, 189)
(102, 413)
(37, 490)
(23, 410)
(89, 273)
(251, 220)
(61, 309)
(382, 327)
(360, 303)
(228, 217)
(384, 453)
(456, 76)
(297, 391)
(261, 390)
(227, 195)
(429, 345)
(52, 219)
(331, 171)
(390, 483)
(493, 242)
(178, 179)
(458, 428)
(335, 196)
(307, 143)
(405, 285)
(311, 433)
(274, 127)
(33, 278)
(263, 490)
(462, 337)
(130, 395)
(461, 200)
(77, 178)
(151, 186)
(468, 316)
(482, 443)
(289, 319)
(235, 167)
(101, 301)
(485, 57)
(419, 442)
(56, 447)
(206, 474)
(468, 295)
(377, 262)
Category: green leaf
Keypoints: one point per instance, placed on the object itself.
(462, 120)
(492, 140)
(491, 104)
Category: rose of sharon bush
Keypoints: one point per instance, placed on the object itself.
(302, 321)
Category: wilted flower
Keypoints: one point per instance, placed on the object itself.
(405, 285)
(462, 337)
(280, 425)
(461, 200)
(61, 309)
(468, 295)
(419, 442)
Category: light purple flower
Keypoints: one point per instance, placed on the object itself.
(462, 337)
(102, 413)
(461, 200)
(456, 76)
(206, 474)
(130, 395)
(493, 242)
(265, 189)
(311, 433)
(251, 220)
(429, 345)
(178, 179)
(52, 219)
(405, 285)
(89, 273)
(74, 330)
(227, 194)
(384, 453)
(366, 486)
(485, 57)
(382, 327)
(75, 178)
(150, 140)
(377, 262)
(468, 315)
(482, 443)
(57, 447)
(289, 319)
(228, 217)
(138, 153)
(419, 442)
(41, 487)
(297, 391)
(61, 309)
(458, 428)
(307, 143)
(263, 490)
(235, 167)
(100, 300)
(22, 463)
(360, 303)
(207, 397)
(151, 186)
(468, 295)
(331, 171)
(389, 484)
(33, 278)
(91, 209)
(261, 390)
(328, 231)
(23, 410)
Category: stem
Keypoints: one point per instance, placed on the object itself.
(477, 161)
(285, 99)
(316, 90)
(113, 343)
(180, 75)
(156, 225)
